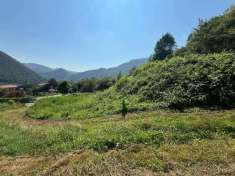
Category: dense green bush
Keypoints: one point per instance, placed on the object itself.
(193, 80)
(93, 84)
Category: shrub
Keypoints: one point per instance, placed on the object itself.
(22, 100)
(194, 80)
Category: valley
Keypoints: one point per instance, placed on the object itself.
(171, 114)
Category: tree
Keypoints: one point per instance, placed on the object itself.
(87, 85)
(104, 83)
(53, 83)
(215, 35)
(124, 109)
(64, 87)
(164, 47)
(181, 52)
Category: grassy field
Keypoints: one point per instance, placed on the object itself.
(85, 105)
(146, 143)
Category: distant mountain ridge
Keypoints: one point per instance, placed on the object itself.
(38, 68)
(59, 74)
(62, 74)
(12, 71)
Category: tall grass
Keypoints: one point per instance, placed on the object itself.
(82, 106)
(103, 134)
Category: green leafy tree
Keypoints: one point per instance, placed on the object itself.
(164, 47)
(64, 87)
(104, 83)
(53, 83)
(87, 85)
(215, 35)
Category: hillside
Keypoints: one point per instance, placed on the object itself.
(212, 36)
(110, 72)
(58, 74)
(62, 74)
(38, 68)
(177, 83)
(12, 71)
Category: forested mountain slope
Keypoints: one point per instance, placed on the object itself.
(12, 71)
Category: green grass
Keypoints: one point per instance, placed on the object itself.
(145, 142)
(8, 105)
(103, 134)
(83, 106)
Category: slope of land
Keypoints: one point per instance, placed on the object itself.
(110, 72)
(177, 83)
(38, 68)
(12, 71)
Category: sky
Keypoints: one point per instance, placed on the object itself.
(86, 34)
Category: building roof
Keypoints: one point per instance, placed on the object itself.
(8, 86)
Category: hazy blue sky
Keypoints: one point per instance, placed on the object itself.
(86, 34)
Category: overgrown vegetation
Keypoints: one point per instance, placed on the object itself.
(212, 36)
(163, 141)
(193, 80)
(86, 105)
(181, 82)
(103, 134)
(149, 141)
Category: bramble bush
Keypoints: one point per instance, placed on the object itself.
(193, 80)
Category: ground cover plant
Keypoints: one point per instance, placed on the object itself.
(156, 142)
(179, 82)
(88, 105)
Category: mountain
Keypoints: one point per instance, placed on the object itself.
(12, 71)
(62, 74)
(59, 74)
(110, 72)
(47, 72)
(38, 68)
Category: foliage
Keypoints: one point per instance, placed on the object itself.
(53, 83)
(11, 71)
(215, 35)
(3, 92)
(86, 85)
(64, 87)
(103, 134)
(164, 47)
(7, 104)
(22, 100)
(119, 75)
(85, 105)
(180, 82)
(92, 85)
(104, 83)
(124, 108)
